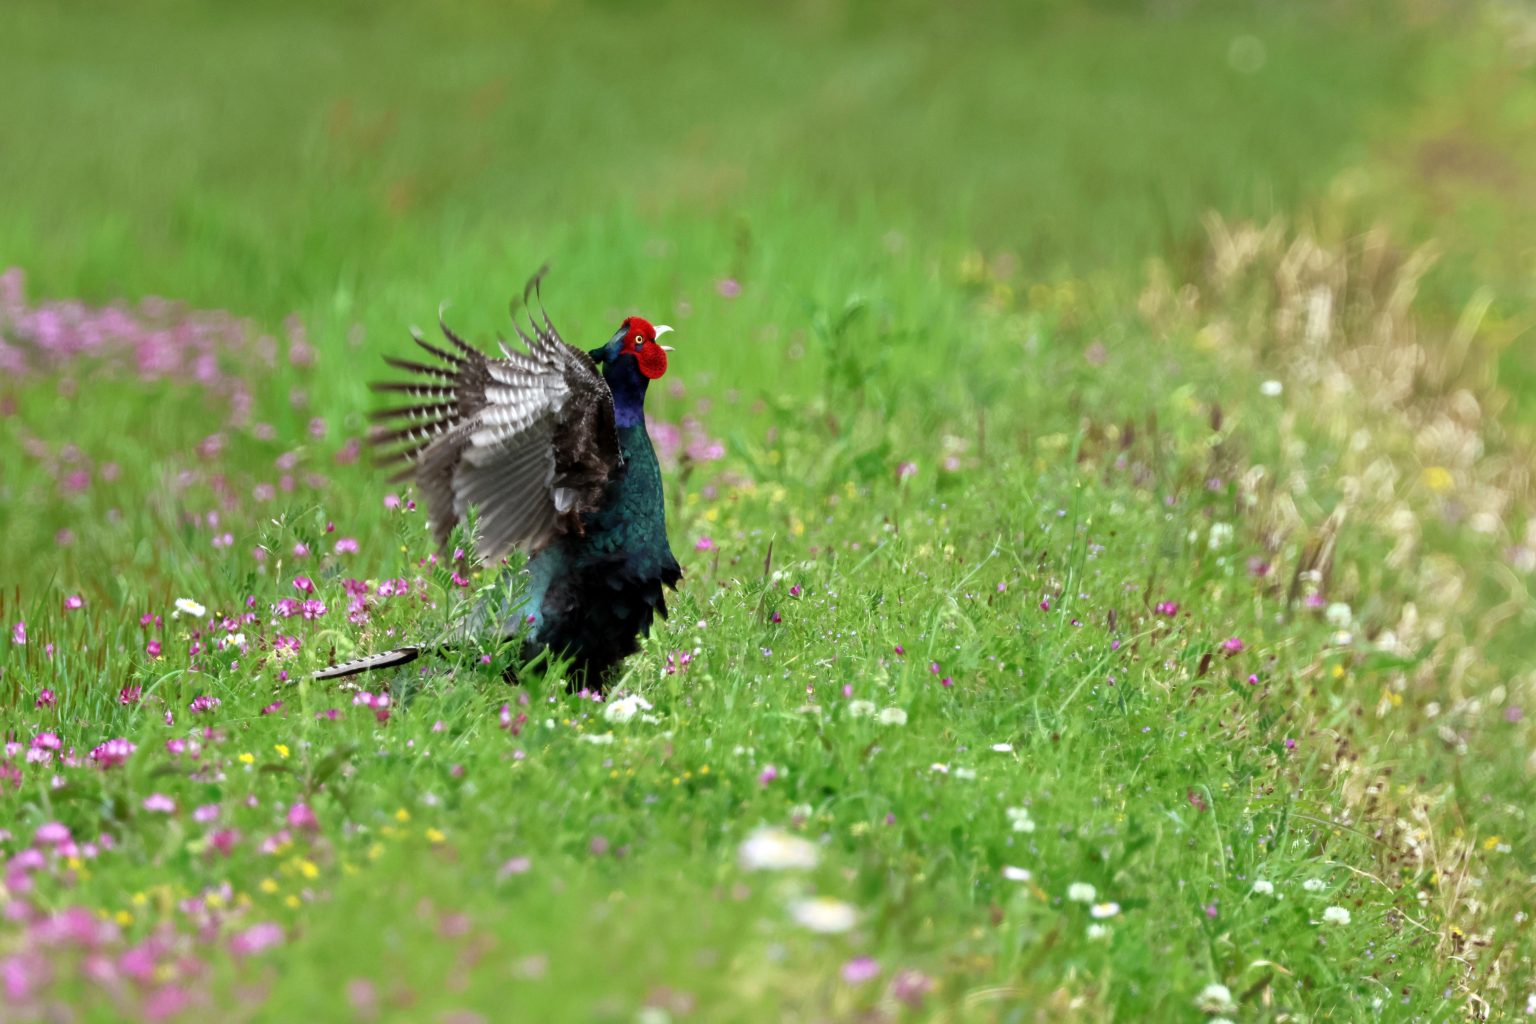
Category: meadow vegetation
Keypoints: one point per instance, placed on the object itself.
(1098, 448)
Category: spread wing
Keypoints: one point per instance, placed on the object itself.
(529, 439)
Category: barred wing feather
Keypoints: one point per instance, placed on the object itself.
(529, 438)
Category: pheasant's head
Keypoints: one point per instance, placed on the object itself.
(631, 360)
(633, 349)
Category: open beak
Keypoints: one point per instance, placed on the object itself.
(660, 330)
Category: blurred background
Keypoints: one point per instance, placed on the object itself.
(328, 173)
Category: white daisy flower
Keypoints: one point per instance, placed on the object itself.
(893, 716)
(1314, 885)
(1336, 915)
(1104, 910)
(861, 708)
(1271, 389)
(1263, 887)
(1098, 931)
(1014, 874)
(824, 915)
(1339, 615)
(1216, 998)
(1082, 892)
(626, 708)
(1003, 748)
(773, 849)
(187, 606)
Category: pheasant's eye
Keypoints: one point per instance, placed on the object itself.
(639, 339)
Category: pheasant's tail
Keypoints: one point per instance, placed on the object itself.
(386, 659)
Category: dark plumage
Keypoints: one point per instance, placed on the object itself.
(557, 461)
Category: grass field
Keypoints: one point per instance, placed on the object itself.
(1107, 531)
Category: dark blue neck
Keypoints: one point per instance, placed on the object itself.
(628, 386)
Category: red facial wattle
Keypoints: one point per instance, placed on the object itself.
(640, 342)
(652, 359)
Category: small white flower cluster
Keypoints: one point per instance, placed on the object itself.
(1019, 818)
(866, 709)
(773, 849)
(824, 915)
(1100, 911)
(1215, 998)
(626, 708)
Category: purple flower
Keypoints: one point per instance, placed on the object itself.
(51, 833)
(910, 987)
(46, 699)
(159, 803)
(113, 753)
(255, 939)
(302, 817)
(860, 969)
(74, 602)
(905, 470)
(19, 634)
(273, 708)
(224, 840)
(304, 584)
(767, 775)
(728, 287)
(702, 544)
(515, 866)
(203, 704)
(346, 546)
(152, 648)
(1167, 609)
(1231, 646)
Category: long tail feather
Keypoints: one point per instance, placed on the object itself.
(388, 659)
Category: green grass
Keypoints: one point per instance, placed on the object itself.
(940, 225)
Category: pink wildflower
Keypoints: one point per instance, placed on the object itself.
(113, 753)
(74, 602)
(255, 939)
(302, 817)
(203, 703)
(51, 833)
